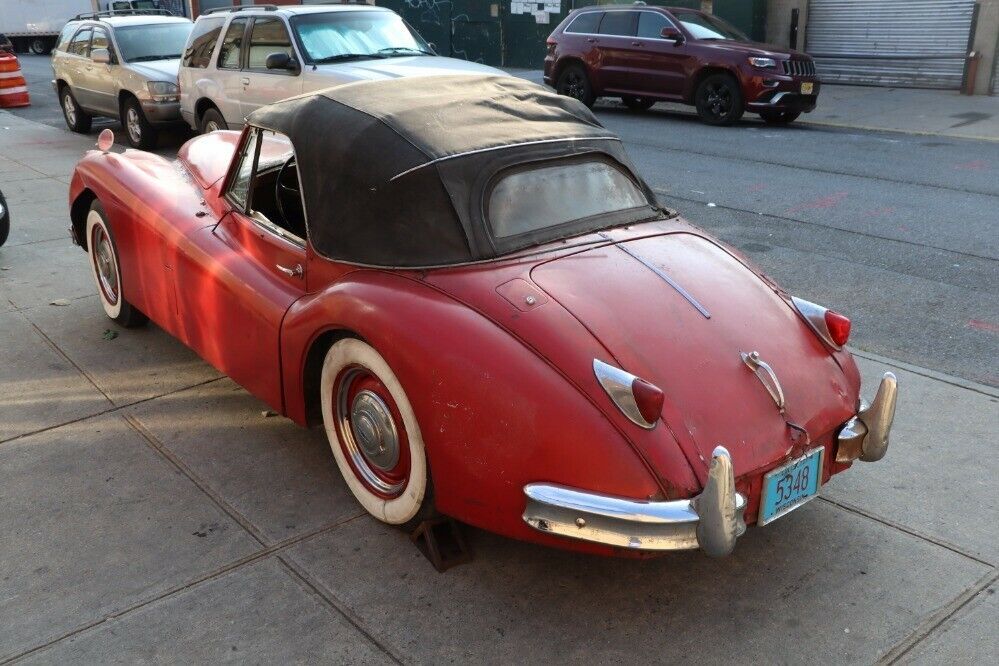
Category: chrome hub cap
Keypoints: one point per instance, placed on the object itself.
(107, 270)
(371, 433)
(69, 108)
(132, 125)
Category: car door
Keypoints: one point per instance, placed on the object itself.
(229, 72)
(658, 63)
(614, 45)
(261, 85)
(72, 64)
(99, 79)
(237, 278)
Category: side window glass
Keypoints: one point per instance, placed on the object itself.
(64, 36)
(202, 42)
(621, 24)
(651, 24)
(267, 36)
(585, 23)
(239, 189)
(81, 43)
(100, 40)
(232, 46)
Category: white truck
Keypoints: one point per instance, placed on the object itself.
(34, 25)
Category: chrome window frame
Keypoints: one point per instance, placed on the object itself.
(626, 9)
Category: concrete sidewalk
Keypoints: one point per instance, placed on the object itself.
(151, 513)
(931, 112)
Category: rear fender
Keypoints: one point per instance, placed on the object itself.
(494, 416)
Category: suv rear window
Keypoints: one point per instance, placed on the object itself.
(202, 42)
(549, 195)
(586, 23)
(230, 53)
(623, 24)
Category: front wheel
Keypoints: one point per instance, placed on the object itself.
(104, 262)
(719, 100)
(573, 82)
(140, 133)
(638, 103)
(374, 435)
(779, 117)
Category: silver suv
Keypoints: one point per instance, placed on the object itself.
(121, 65)
(241, 58)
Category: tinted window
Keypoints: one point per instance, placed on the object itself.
(202, 42)
(585, 23)
(705, 26)
(81, 43)
(619, 23)
(232, 45)
(527, 200)
(651, 24)
(266, 37)
(153, 41)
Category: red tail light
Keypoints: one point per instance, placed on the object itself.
(649, 399)
(839, 327)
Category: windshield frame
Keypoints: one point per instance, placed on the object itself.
(717, 23)
(121, 53)
(308, 59)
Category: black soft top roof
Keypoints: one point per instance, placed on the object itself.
(393, 172)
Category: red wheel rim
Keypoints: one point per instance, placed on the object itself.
(104, 264)
(371, 432)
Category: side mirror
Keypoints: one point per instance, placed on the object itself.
(672, 34)
(101, 56)
(281, 61)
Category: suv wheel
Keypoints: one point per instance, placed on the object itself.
(638, 103)
(77, 120)
(573, 82)
(719, 100)
(779, 117)
(138, 130)
(212, 121)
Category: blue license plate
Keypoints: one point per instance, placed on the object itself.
(788, 487)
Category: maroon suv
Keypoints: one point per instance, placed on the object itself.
(648, 54)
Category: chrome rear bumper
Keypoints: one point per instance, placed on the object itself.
(865, 436)
(711, 521)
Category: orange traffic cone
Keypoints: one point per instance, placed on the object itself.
(13, 89)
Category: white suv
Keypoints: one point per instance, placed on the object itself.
(240, 58)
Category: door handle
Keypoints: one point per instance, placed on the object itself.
(636, 44)
(591, 40)
(245, 80)
(297, 271)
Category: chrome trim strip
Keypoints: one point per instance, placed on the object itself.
(617, 383)
(503, 147)
(662, 274)
(711, 521)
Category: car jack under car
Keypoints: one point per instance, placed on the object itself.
(711, 521)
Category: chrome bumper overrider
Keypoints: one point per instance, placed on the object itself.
(711, 521)
(865, 436)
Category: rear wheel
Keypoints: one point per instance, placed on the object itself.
(779, 117)
(719, 99)
(39, 46)
(107, 270)
(374, 435)
(573, 82)
(212, 121)
(140, 133)
(638, 103)
(77, 120)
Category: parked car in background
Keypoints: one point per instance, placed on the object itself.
(121, 65)
(649, 54)
(240, 58)
(4, 220)
(469, 285)
(6, 46)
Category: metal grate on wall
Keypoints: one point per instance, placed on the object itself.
(904, 43)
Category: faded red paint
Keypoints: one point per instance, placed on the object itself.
(504, 393)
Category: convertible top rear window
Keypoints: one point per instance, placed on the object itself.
(550, 195)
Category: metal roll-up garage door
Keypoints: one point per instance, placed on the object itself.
(905, 43)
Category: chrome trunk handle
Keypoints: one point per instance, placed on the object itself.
(297, 271)
(755, 363)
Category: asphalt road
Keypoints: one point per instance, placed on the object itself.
(900, 232)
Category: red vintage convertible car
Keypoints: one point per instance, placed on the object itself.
(470, 287)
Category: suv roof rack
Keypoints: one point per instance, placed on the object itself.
(241, 8)
(94, 16)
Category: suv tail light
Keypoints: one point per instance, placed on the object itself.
(639, 400)
(830, 325)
